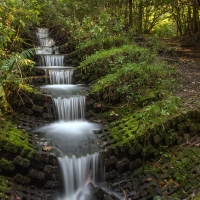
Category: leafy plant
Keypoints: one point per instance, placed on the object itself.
(12, 77)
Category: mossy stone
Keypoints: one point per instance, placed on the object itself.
(39, 109)
(7, 165)
(21, 161)
(24, 180)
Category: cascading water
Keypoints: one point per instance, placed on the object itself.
(72, 135)
(51, 60)
(60, 76)
(72, 108)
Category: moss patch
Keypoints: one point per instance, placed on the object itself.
(13, 139)
(5, 184)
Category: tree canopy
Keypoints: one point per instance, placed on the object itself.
(79, 22)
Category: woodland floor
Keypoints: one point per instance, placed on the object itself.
(188, 64)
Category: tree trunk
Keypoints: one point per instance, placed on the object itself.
(130, 13)
(195, 16)
(140, 17)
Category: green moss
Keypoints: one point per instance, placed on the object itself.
(197, 197)
(13, 139)
(147, 120)
(24, 162)
(22, 179)
(7, 165)
(5, 184)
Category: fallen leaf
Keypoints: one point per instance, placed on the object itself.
(47, 148)
(149, 179)
(161, 183)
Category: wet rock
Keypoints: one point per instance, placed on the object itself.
(91, 192)
(52, 185)
(50, 159)
(24, 180)
(21, 161)
(26, 111)
(36, 174)
(37, 108)
(111, 175)
(39, 156)
(135, 164)
(135, 181)
(7, 165)
(113, 160)
(50, 169)
(122, 165)
(136, 149)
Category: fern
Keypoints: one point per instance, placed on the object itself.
(11, 75)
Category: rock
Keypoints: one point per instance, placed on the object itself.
(38, 108)
(26, 111)
(111, 175)
(50, 169)
(21, 161)
(136, 149)
(122, 165)
(24, 180)
(135, 164)
(36, 174)
(40, 156)
(52, 185)
(113, 160)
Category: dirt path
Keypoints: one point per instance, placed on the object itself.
(189, 68)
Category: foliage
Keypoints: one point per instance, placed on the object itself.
(146, 119)
(136, 82)
(12, 75)
(4, 186)
(104, 60)
(88, 47)
(13, 139)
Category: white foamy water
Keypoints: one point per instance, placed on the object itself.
(55, 67)
(42, 35)
(73, 139)
(70, 128)
(46, 41)
(63, 90)
(72, 108)
(51, 60)
(60, 76)
(77, 173)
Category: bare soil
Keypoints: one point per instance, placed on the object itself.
(188, 65)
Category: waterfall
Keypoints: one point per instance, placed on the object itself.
(60, 76)
(71, 134)
(72, 108)
(78, 172)
(51, 60)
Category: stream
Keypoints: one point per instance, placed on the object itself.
(71, 136)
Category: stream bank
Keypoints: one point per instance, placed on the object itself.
(134, 167)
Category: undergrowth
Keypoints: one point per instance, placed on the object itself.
(136, 82)
(14, 140)
(135, 124)
(105, 61)
(88, 47)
